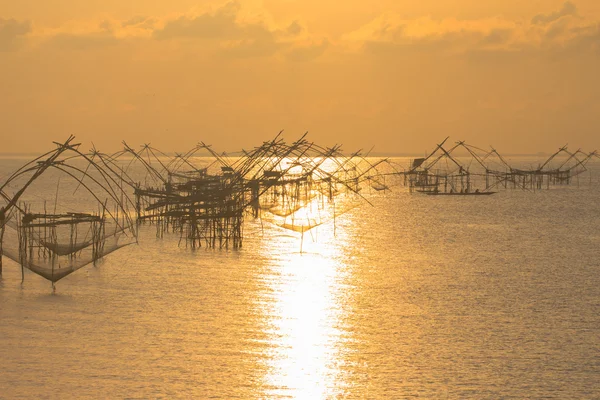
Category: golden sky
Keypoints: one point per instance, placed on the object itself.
(397, 75)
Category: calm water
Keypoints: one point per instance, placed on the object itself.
(429, 297)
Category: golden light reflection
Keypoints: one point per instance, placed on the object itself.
(306, 316)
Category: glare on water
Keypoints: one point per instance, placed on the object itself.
(304, 316)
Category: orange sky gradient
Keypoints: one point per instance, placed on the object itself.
(397, 75)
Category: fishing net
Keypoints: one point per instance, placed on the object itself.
(60, 253)
(61, 212)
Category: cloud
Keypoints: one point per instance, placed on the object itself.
(497, 36)
(309, 52)
(294, 28)
(139, 21)
(81, 35)
(227, 30)
(554, 32)
(12, 33)
(264, 47)
(583, 39)
(221, 24)
(235, 38)
(234, 35)
(106, 26)
(425, 35)
(568, 9)
(80, 42)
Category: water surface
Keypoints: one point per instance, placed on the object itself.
(431, 297)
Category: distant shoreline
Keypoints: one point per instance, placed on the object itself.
(373, 154)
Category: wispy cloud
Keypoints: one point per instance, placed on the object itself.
(221, 24)
(69, 41)
(140, 21)
(554, 31)
(235, 35)
(12, 33)
(308, 52)
(567, 9)
(225, 30)
(229, 30)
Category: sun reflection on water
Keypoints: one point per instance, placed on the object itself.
(305, 316)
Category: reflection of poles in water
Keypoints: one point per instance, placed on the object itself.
(23, 247)
(334, 227)
(1, 236)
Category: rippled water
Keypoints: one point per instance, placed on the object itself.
(432, 297)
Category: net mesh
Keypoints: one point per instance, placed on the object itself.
(55, 251)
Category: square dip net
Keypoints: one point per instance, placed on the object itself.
(63, 211)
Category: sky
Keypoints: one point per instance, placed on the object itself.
(394, 75)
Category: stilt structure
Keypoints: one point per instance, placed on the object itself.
(85, 225)
(479, 172)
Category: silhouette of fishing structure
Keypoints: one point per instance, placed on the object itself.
(84, 219)
(301, 186)
(463, 169)
(68, 208)
(296, 186)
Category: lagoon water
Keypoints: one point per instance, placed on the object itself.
(487, 297)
